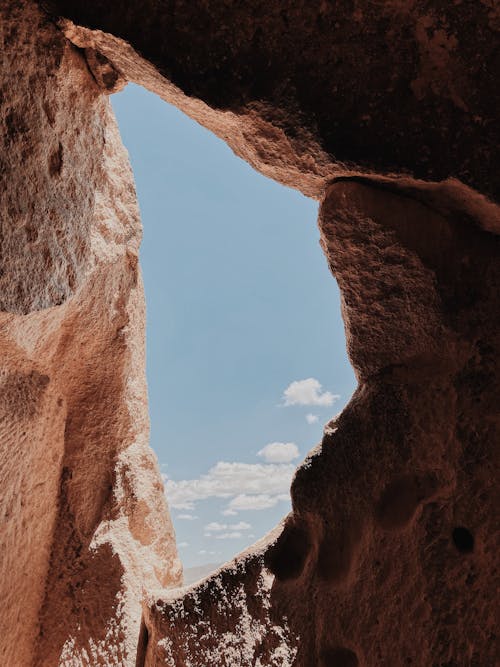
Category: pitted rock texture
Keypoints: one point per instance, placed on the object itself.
(310, 90)
(388, 557)
(84, 524)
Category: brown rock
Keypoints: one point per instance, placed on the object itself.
(388, 557)
(306, 91)
(84, 521)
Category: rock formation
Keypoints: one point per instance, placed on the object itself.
(84, 521)
(386, 113)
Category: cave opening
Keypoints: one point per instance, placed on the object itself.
(246, 353)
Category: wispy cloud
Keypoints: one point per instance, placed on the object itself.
(308, 392)
(183, 545)
(245, 485)
(187, 517)
(224, 531)
(279, 452)
(216, 527)
(262, 501)
(311, 419)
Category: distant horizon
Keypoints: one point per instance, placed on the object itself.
(246, 355)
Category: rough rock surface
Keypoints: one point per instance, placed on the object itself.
(306, 90)
(84, 524)
(388, 555)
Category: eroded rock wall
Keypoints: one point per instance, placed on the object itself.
(388, 557)
(84, 522)
(306, 91)
(386, 112)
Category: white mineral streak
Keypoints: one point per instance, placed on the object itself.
(238, 647)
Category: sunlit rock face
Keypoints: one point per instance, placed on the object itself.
(84, 524)
(388, 555)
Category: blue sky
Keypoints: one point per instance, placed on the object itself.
(245, 343)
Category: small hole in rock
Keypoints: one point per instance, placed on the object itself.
(463, 540)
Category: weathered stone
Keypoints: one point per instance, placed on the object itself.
(306, 91)
(84, 525)
(388, 555)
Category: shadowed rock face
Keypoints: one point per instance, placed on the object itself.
(388, 555)
(84, 524)
(343, 81)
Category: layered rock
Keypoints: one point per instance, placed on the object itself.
(385, 112)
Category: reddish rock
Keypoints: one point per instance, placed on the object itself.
(388, 557)
(386, 113)
(84, 524)
(310, 90)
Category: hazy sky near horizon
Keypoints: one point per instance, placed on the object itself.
(246, 351)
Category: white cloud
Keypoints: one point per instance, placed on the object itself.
(229, 512)
(263, 501)
(279, 452)
(183, 545)
(187, 517)
(233, 480)
(308, 392)
(229, 536)
(241, 525)
(216, 527)
(311, 419)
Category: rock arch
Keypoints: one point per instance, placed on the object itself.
(386, 113)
